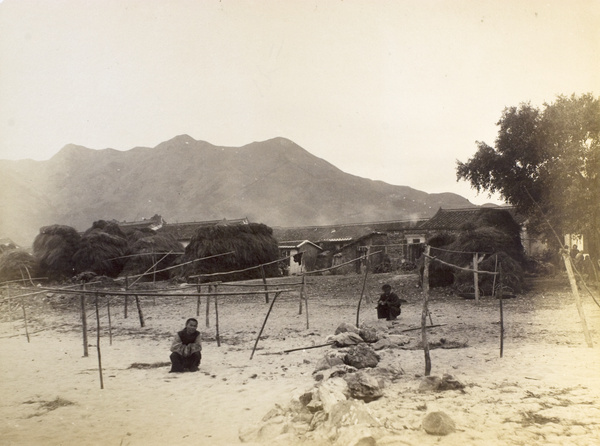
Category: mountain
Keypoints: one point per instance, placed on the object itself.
(275, 182)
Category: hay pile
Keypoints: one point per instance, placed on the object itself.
(102, 250)
(496, 237)
(17, 264)
(146, 248)
(251, 245)
(54, 248)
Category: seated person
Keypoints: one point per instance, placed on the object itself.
(186, 348)
(389, 304)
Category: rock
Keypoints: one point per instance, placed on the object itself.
(368, 335)
(329, 360)
(356, 436)
(345, 327)
(346, 339)
(337, 371)
(438, 423)
(381, 344)
(331, 392)
(361, 356)
(351, 413)
(399, 340)
(437, 384)
(363, 386)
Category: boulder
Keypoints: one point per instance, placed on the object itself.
(337, 371)
(438, 423)
(363, 386)
(368, 335)
(361, 356)
(345, 339)
(437, 384)
(329, 360)
(345, 327)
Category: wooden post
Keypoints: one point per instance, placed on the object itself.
(109, 320)
(264, 279)
(217, 320)
(198, 300)
(362, 292)
(263, 325)
(476, 276)
(98, 342)
(501, 310)
(139, 308)
(126, 297)
(575, 291)
(424, 312)
(25, 318)
(303, 291)
(84, 323)
(210, 288)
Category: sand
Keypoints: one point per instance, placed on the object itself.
(544, 390)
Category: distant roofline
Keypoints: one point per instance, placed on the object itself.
(354, 224)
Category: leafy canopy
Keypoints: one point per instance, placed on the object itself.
(550, 157)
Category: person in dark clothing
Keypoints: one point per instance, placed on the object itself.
(389, 304)
(186, 348)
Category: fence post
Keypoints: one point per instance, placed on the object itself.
(425, 312)
(84, 323)
(264, 279)
(476, 276)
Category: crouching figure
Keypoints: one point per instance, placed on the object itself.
(186, 348)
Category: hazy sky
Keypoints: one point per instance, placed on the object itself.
(388, 90)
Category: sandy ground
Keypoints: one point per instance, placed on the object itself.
(544, 390)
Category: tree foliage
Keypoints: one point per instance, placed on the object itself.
(546, 163)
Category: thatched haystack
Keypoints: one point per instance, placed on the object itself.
(102, 250)
(252, 244)
(53, 249)
(489, 236)
(17, 264)
(146, 248)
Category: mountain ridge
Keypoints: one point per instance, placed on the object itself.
(275, 182)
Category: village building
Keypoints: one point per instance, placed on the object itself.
(183, 232)
(298, 256)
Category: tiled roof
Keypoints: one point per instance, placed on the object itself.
(295, 244)
(453, 219)
(342, 232)
(185, 231)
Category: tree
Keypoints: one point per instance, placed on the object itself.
(546, 163)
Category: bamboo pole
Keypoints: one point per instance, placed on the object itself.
(84, 323)
(264, 279)
(301, 296)
(217, 320)
(25, 318)
(303, 291)
(98, 343)
(109, 320)
(198, 299)
(264, 323)
(126, 297)
(424, 313)
(575, 291)
(476, 276)
(207, 320)
(139, 309)
(362, 292)
(501, 310)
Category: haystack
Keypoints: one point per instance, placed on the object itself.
(17, 264)
(53, 249)
(102, 252)
(251, 245)
(146, 248)
(489, 236)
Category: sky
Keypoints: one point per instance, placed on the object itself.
(395, 91)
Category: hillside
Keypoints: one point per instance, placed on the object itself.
(275, 182)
